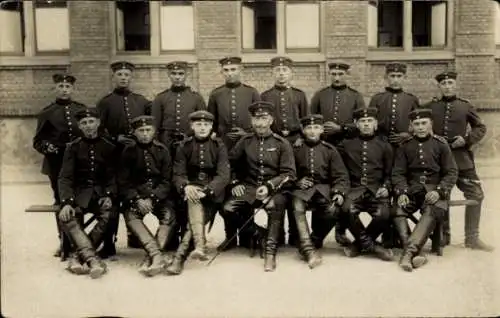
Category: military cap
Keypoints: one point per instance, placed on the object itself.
(141, 121)
(395, 67)
(201, 115)
(420, 113)
(281, 61)
(85, 113)
(338, 66)
(313, 119)
(122, 65)
(261, 108)
(446, 75)
(63, 78)
(365, 112)
(230, 60)
(177, 65)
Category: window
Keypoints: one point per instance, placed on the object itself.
(52, 25)
(177, 26)
(11, 27)
(280, 26)
(132, 26)
(497, 22)
(429, 23)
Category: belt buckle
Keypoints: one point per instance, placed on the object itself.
(364, 181)
(423, 179)
(202, 176)
(285, 132)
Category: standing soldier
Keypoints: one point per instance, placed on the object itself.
(337, 104)
(268, 161)
(451, 116)
(56, 127)
(291, 105)
(423, 176)
(229, 105)
(116, 111)
(145, 184)
(394, 105)
(87, 184)
(201, 174)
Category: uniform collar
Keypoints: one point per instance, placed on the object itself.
(265, 136)
(449, 98)
(63, 102)
(429, 136)
(366, 137)
(91, 140)
(201, 140)
(281, 87)
(338, 88)
(233, 85)
(393, 90)
(178, 89)
(122, 91)
(311, 143)
(144, 146)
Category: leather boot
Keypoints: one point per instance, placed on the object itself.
(197, 226)
(401, 226)
(340, 233)
(364, 241)
(377, 226)
(164, 234)
(306, 247)
(405, 261)
(97, 268)
(322, 225)
(446, 231)
(177, 265)
(293, 236)
(75, 266)
(99, 230)
(108, 249)
(273, 232)
(149, 244)
(230, 227)
(472, 219)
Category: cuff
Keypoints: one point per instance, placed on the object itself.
(134, 199)
(154, 198)
(337, 191)
(270, 186)
(235, 182)
(208, 191)
(443, 193)
(401, 191)
(68, 201)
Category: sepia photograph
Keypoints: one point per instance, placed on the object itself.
(249, 158)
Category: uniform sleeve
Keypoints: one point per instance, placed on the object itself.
(200, 102)
(303, 106)
(223, 173)
(360, 101)
(66, 177)
(212, 108)
(235, 157)
(125, 182)
(374, 104)
(103, 116)
(399, 172)
(163, 188)
(315, 104)
(39, 142)
(286, 166)
(111, 186)
(148, 106)
(388, 160)
(255, 95)
(339, 175)
(449, 172)
(478, 128)
(180, 179)
(157, 113)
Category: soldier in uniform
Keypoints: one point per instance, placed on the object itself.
(57, 126)
(116, 110)
(229, 105)
(451, 115)
(268, 161)
(145, 184)
(337, 104)
(87, 184)
(201, 174)
(368, 159)
(394, 106)
(423, 175)
(322, 181)
(291, 105)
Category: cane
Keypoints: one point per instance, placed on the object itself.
(262, 205)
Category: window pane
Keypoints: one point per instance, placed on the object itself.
(11, 27)
(259, 24)
(177, 26)
(52, 26)
(390, 23)
(372, 23)
(132, 26)
(429, 23)
(302, 25)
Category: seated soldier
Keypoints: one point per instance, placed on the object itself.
(368, 159)
(145, 182)
(262, 162)
(87, 184)
(201, 174)
(322, 180)
(423, 175)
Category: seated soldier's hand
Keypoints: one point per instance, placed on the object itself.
(149, 204)
(458, 141)
(305, 183)
(66, 213)
(431, 197)
(261, 193)
(338, 199)
(382, 192)
(105, 203)
(238, 190)
(192, 193)
(403, 200)
(143, 207)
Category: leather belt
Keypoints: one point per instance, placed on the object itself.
(202, 176)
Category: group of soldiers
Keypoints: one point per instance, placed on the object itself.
(184, 160)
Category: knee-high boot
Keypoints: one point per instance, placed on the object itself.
(472, 219)
(306, 246)
(273, 231)
(150, 245)
(181, 254)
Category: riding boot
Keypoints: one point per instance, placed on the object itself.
(75, 266)
(273, 231)
(109, 249)
(150, 245)
(340, 233)
(197, 226)
(364, 241)
(472, 219)
(230, 228)
(446, 232)
(306, 247)
(401, 226)
(99, 230)
(177, 265)
(164, 234)
(377, 226)
(292, 227)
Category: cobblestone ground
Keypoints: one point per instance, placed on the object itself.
(35, 284)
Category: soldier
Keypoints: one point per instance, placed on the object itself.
(291, 105)
(451, 116)
(268, 161)
(57, 126)
(201, 174)
(145, 184)
(368, 159)
(337, 104)
(423, 175)
(322, 181)
(116, 111)
(229, 105)
(87, 184)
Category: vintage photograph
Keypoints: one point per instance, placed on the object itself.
(252, 158)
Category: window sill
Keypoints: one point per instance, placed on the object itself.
(156, 60)
(265, 57)
(34, 61)
(376, 55)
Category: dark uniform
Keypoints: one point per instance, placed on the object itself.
(171, 109)
(146, 173)
(267, 161)
(320, 163)
(203, 163)
(229, 105)
(451, 116)
(87, 175)
(422, 165)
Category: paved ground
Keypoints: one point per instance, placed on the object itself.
(34, 284)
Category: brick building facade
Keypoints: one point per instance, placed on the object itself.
(345, 29)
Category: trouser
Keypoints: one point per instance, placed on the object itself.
(323, 220)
